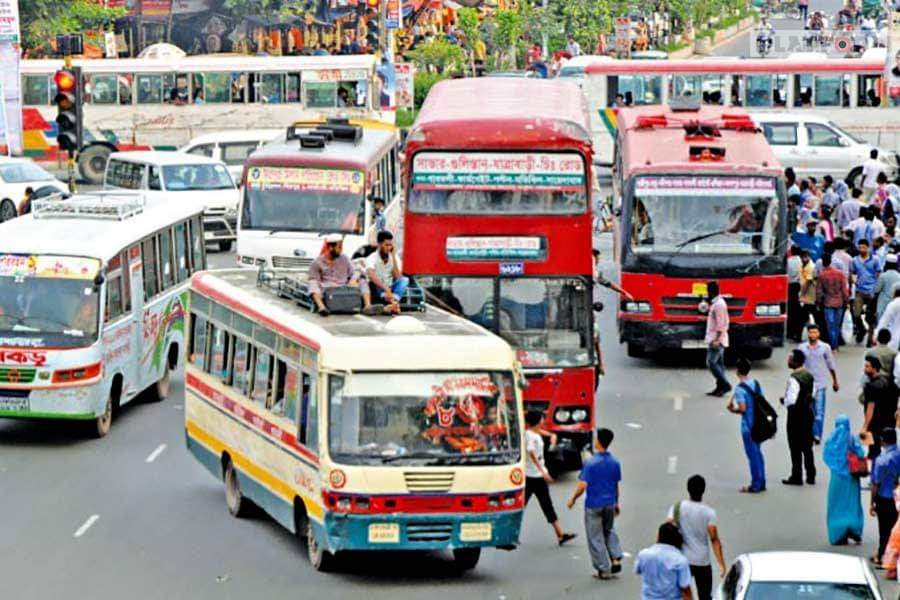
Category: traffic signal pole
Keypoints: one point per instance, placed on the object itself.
(70, 160)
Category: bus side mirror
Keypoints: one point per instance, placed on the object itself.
(99, 279)
(598, 307)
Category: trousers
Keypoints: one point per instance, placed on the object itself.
(886, 511)
(801, 448)
(538, 487)
(755, 459)
(602, 540)
(703, 580)
(715, 360)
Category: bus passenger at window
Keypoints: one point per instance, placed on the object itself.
(333, 268)
(343, 97)
(379, 220)
(383, 271)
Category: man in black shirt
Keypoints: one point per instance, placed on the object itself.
(880, 397)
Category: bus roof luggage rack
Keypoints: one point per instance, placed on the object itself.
(112, 205)
(293, 287)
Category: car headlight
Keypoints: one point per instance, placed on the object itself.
(231, 213)
(579, 415)
(562, 415)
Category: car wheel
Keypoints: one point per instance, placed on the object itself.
(92, 163)
(7, 210)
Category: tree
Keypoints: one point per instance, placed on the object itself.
(467, 20)
(508, 33)
(584, 20)
(43, 20)
(438, 55)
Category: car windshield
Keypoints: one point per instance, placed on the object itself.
(498, 183)
(315, 200)
(547, 320)
(796, 590)
(23, 172)
(423, 418)
(704, 215)
(48, 301)
(179, 178)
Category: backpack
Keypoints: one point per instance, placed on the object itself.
(765, 419)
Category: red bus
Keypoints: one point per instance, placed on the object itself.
(702, 199)
(497, 227)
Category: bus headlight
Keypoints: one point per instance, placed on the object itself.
(509, 501)
(768, 310)
(562, 415)
(637, 307)
(579, 415)
(344, 504)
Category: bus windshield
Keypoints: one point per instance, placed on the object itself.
(181, 178)
(315, 200)
(704, 215)
(48, 301)
(498, 183)
(547, 320)
(430, 418)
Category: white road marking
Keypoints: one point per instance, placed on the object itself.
(86, 525)
(176, 406)
(155, 454)
(673, 465)
(634, 425)
(678, 402)
(626, 554)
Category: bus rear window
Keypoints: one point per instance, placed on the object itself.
(124, 174)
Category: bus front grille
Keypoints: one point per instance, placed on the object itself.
(429, 532)
(428, 481)
(16, 375)
(290, 262)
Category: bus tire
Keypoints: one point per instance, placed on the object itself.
(852, 177)
(92, 163)
(635, 351)
(466, 559)
(160, 390)
(319, 558)
(100, 426)
(225, 245)
(8, 210)
(760, 354)
(237, 504)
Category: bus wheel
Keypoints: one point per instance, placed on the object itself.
(635, 351)
(225, 245)
(234, 499)
(7, 210)
(319, 558)
(466, 559)
(100, 426)
(92, 163)
(160, 390)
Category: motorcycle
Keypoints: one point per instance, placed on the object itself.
(763, 44)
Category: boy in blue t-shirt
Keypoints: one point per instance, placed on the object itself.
(742, 404)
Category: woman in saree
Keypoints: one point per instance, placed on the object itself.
(845, 514)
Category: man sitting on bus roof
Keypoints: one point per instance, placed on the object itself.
(383, 271)
(333, 268)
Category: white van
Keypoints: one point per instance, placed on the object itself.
(182, 177)
(813, 145)
(231, 147)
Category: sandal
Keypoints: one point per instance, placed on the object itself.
(323, 312)
(748, 490)
(603, 576)
(567, 537)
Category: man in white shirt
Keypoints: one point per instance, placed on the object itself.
(536, 475)
(383, 272)
(870, 170)
(697, 523)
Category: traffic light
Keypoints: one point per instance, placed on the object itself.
(68, 105)
(373, 4)
(373, 34)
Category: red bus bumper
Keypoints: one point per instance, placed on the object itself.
(560, 394)
(656, 335)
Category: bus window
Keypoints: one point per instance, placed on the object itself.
(779, 90)
(292, 89)
(320, 94)
(472, 297)
(198, 254)
(286, 391)
(181, 257)
(271, 88)
(758, 90)
(165, 259)
(125, 81)
(714, 89)
(153, 182)
(218, 363)
(261, 375)
(199, 334)
(114, 304)
(635, 89)
(241, 380)
(36, 90)
(101, 89)
(309, 417)
(149, 89)
(175, 88)
(687, 86)
(239, 87)
(148, 260)
(125, 174)
(803, 90)
(780, 134)
(213, 88)
(867, 90)
(832, 90)
(126, 282)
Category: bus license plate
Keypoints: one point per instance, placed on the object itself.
(693, 344)
(384, 533)
(699, 290)
(475, 532)
(13, 404)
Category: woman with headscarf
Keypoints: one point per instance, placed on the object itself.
(845, 513)
(893, 194)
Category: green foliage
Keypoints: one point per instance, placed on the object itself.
(422, 84)
(509, 27)
(42, 20)
(406, 117)
(467, 20)
(438, 55)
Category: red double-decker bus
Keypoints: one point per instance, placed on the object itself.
(701, 199)
(498, 229)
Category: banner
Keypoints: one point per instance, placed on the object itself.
(9, 21)
(673, 185)
(186, 7)
(498, 171)
(156, 8)
(394, 18)
(404, 83)
(10, 98)
(334, 181)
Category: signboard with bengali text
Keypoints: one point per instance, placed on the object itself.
(53, 267)
(498, 171)
(495, 248)
(335, 75)
(300, 179)
(9, 21)
(700, 185)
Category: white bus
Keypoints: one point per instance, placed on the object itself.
(93, 297)
(353, 432)
(321, 180)
(162, 103)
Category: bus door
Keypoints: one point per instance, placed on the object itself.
(131, 274)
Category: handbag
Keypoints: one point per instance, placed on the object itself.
(859, 467)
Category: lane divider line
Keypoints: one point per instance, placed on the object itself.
(86, 525)
(679, 403)
(155, 454)
(673, 465)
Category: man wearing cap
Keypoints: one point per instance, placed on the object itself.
(810, 241)
(333, 268)
(884, 288)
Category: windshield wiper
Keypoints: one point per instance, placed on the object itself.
(413, 455)
(697, 238)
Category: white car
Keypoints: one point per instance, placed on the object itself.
(813, 145)
(232, 147)
(18, 174)
(791, 575)
(176, 176)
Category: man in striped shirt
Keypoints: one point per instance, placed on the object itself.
(717, 339)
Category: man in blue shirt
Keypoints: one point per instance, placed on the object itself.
(883, 482)
(665, 572)
(600, 478)
(810, 241)
(864, 270)
(742, 404)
